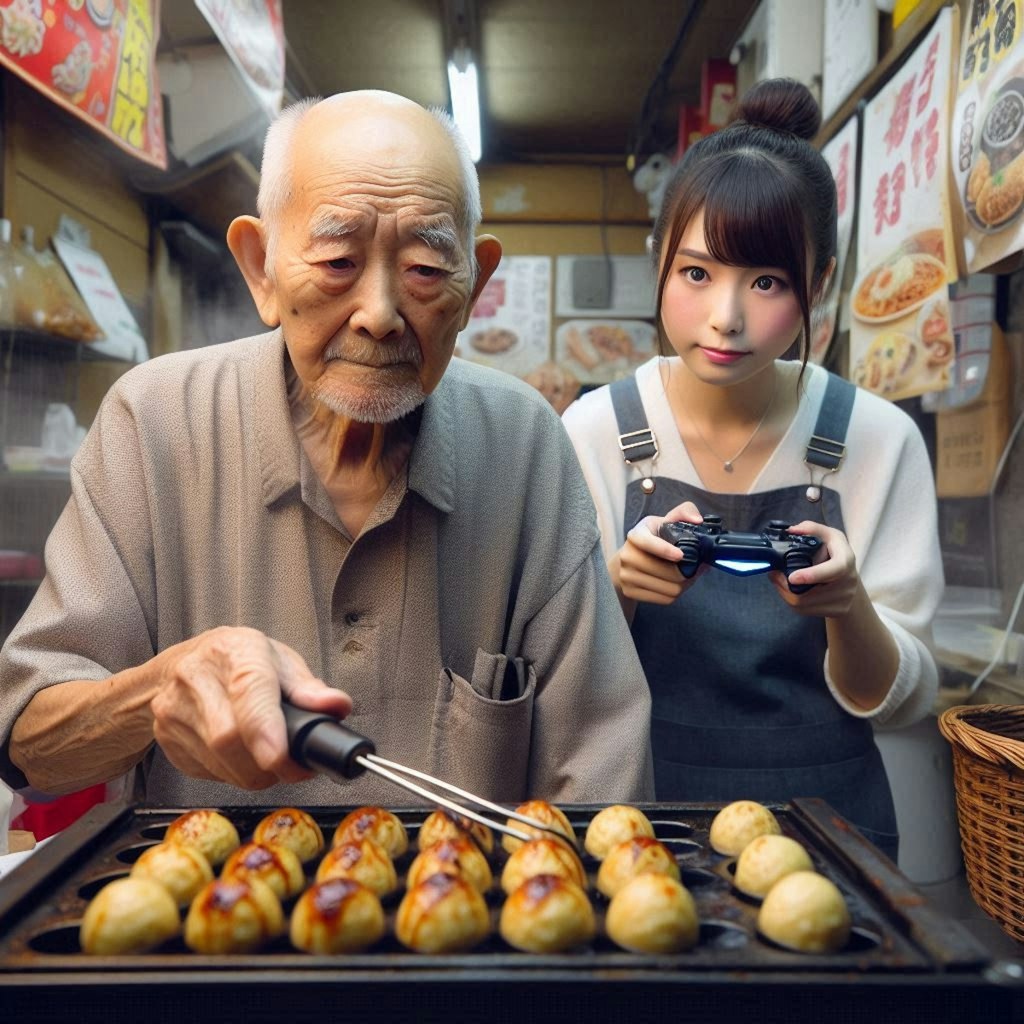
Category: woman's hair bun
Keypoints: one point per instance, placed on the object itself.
(783, 104)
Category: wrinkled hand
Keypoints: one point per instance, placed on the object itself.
(217, 712)
(646, 568)
(834, 574)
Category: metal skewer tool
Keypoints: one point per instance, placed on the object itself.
(324, 744)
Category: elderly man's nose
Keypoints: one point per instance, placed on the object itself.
(376, 310)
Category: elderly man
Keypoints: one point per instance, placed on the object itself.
(334, 512)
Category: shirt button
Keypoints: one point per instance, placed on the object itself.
(351, 618)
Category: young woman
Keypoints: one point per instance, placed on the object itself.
(760, 692)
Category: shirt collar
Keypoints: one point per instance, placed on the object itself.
(431, 464)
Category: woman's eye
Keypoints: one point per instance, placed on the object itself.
(341, 263)
(696, 274)
(765, 283)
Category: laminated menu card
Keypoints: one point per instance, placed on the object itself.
(901, 339)
(988, 132)
(841, 155)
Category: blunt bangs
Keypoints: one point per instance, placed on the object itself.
(753, 216)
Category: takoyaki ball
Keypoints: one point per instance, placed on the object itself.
(737, 823)
(806, 912)
(442, 914)
(615, 825)
(233, 915)
(294, 828)
(181, 870)
(653, 914)
(547, 914)
(765, 860)
(213, 834)
(460, 856)
(445, 824)
(383, 827)
(635, 857)
(364, 862)
(336, 916)
(276, 865)
(129, 915)
(543, 812)
(548, 856)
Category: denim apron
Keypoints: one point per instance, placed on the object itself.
(740, 707)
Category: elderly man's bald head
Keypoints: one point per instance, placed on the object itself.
(356, 111)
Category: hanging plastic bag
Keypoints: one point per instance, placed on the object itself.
(57, 307)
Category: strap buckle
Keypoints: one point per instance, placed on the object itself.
(634, 439)
(824, 452)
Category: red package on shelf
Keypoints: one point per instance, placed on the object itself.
(44, 820)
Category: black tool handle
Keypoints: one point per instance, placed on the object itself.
(322, 743)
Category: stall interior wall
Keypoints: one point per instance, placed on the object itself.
(52, 167)
(564, 209)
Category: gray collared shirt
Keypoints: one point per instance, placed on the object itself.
(193, 506)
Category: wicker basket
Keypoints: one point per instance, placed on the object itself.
(988, 774)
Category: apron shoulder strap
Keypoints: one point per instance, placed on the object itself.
(827, 446)
(636, 439)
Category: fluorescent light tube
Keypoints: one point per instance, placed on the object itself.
(466, 104)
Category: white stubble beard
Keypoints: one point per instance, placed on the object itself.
(390, 396)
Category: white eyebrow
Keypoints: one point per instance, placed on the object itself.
(443, 238)
(328, 224)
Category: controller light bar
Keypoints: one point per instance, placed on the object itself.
(742, 568)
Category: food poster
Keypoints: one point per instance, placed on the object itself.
(252, 34)
(599, 351)
(988, 132)
(510, 326)
(841, 155)
(901, 342)
(95, 58)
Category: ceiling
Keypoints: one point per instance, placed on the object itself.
(561, 78)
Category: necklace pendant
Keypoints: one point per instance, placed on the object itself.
(727, 466)
(814, 493)
(647, 485)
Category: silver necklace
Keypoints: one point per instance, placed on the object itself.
(728, 464)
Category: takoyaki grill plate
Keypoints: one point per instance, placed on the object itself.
(898, 942)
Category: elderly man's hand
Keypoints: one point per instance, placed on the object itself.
(217, 713)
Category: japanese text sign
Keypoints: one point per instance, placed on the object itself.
(988, 132)
(841, 155)
(94, 58)
(901, 342)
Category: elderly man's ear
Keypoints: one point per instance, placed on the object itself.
(488, 256)
(247, 244)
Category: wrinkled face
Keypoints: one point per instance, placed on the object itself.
(371, 276)
(726, 323)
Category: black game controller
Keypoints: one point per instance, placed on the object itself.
(741, 554)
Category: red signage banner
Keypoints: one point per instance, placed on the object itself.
(95, 58)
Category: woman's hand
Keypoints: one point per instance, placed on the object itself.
(646, 568)
(834, 575)
(217, 710)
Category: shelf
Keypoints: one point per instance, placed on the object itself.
(35, 476)
(19, 584)
(57, 345)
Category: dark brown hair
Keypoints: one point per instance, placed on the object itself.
(768, 196)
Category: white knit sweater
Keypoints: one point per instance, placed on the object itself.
(887, 492)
